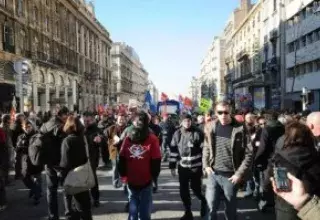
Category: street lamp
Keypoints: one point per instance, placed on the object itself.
(21, 67)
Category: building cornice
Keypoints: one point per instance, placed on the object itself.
(247, 18)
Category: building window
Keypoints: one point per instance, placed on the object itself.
(20, 8)
(35, 15)
(46, 24)
(274, 5)
(3, 3)
(303, 41)
(8, 38)
(309, 38)
(274, 49)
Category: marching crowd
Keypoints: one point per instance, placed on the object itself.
(233, 151)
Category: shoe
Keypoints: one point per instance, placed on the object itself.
(3, 207)
(96, 203)
(187, 216)
(262, 206)
(31, 194)
(36, 202)
(126, 208)
(203, 209)
(155, 189)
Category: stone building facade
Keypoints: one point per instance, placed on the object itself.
(129, 78)
(69, 52)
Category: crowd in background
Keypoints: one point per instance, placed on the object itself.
(233, 150)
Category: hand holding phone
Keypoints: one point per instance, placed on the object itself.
(282, 181)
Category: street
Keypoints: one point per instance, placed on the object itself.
(167, 204)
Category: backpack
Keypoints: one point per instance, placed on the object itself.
(38, 148)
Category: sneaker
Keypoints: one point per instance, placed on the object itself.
(187, 216)
(3, 207)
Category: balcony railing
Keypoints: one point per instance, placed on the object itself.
(242, 78)
(228, 59)
(242, 55)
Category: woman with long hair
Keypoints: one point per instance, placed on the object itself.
(296, 152)
(73, 154)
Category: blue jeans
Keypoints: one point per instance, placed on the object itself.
(115, 174)
(216, 185)
(140, 203)
(33, 182)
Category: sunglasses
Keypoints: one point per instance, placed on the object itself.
(223, 112)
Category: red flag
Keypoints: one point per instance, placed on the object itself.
(164, 97)
(187, 102)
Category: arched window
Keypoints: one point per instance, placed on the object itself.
(51, 79)
(41, 77)
(62, 83)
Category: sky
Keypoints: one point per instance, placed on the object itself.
(171, 37)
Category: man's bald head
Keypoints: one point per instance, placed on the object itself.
(313, 122)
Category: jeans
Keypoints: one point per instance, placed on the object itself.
(53, 181)
(79, 206)
(115, 174)
(52, 193)
(165, 146)
(189, 179)
(17, 166)
(95, 190)
(33, 182)
(140, 203)
(218, 184)
(3, 198)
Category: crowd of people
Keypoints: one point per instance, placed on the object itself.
(234, 151)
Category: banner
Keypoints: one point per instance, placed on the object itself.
(205, 104)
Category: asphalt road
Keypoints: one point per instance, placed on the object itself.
(167, 204)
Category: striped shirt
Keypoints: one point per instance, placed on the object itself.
(223, 151)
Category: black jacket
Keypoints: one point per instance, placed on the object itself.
(53, 128)
(23, 143)
(302, 162)
(94, 148)
(268, 140)
(168, 130)
(156, 129)
(73, 153)
(186, 147)
(17, 130)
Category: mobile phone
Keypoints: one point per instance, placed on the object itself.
(281, 179)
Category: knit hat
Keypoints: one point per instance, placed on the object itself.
(186, 116)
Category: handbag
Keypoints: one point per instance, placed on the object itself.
(81, 178)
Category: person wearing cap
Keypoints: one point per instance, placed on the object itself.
(186, 151)
(54, 129)
(31, 174)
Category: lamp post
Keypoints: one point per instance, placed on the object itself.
(21, 67)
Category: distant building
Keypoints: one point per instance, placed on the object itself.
(67, 48)
(129, 78)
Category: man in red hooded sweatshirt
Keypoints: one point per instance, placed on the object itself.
(140, 162)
